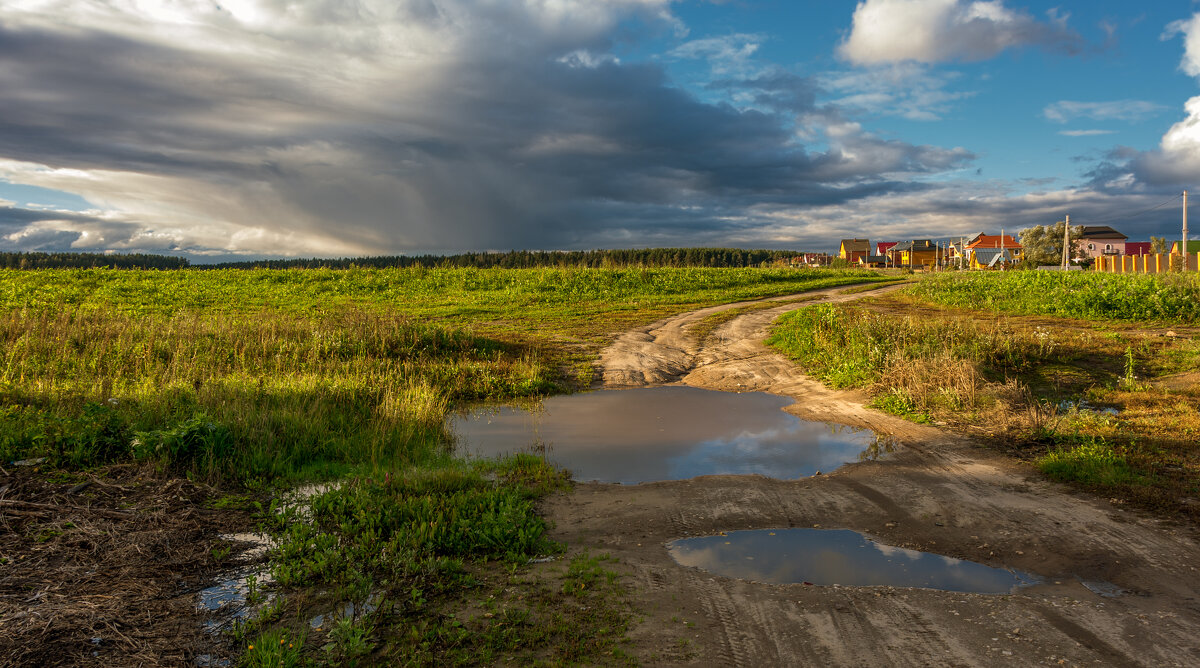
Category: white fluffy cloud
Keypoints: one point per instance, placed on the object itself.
(1177, 159)
(1190, 29)
(931, 31)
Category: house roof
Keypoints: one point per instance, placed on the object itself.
(993, 256)
(1100, 232)
(883, 246)
(914, 244)
(1137, 248)
(856, 245)
(993, 241)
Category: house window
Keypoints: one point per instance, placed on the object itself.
(1107, 246)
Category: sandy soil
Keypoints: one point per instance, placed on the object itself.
(940, 492)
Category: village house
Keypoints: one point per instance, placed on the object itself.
(994, 258)
(810, 260)
(1101, 241)
(1013, 252)
(913, 254)
(854, 250)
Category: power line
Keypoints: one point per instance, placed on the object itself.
(1136, 213)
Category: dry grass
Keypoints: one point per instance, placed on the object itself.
(1028, 385)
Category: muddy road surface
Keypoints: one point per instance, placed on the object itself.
(1121, 588)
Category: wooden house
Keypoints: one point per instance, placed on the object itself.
(914, 254)
(854, 250)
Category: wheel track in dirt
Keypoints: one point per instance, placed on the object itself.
(939, 492)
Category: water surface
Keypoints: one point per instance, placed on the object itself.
(666, 433)
(838, 557)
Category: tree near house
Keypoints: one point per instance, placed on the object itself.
(1044, 243)
(1158, 245)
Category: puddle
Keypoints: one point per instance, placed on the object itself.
(1102, 588)
(838, 557)
(228, 600)
(666, 433)
(1084, 405)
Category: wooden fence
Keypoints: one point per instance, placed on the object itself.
(1159, 263)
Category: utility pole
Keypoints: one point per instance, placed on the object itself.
(1066, 259)
(1183, 249)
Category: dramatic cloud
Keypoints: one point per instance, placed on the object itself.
(361, 127)
(933, 31)
(1176, 162)
(1118, 110)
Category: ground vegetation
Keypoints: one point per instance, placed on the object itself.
(1104, 395)
(183, 402)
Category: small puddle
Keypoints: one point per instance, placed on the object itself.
(666, 433)
(838, 557)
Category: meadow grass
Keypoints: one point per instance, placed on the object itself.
(315, 372)
(1036, 388)
(1085, 295)
(258, 379)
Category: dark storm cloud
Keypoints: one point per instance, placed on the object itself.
(493, 136)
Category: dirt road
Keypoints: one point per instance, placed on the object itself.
(939, 493)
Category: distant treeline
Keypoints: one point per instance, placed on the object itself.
(90, 261)
(646, 257)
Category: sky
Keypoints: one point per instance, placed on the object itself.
(226, 129)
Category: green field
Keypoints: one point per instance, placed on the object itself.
(1085, 295)
(252, 380)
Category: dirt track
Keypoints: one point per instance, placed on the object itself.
(939, 493)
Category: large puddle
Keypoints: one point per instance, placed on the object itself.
(838, 557)
(666, 433)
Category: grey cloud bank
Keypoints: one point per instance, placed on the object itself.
(363, 127)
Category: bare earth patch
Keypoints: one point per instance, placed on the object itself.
(939, 493)
(105, 569)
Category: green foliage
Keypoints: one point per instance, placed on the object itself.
(637, 257)
(95, 435)
(90, 261)
(897, 402)
(1043, 244)
(196, 444)
(412, 527)
(1093, 296)
(278, 648)
(1092, 462)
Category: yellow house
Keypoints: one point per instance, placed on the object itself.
(854, 250)
(914, 254)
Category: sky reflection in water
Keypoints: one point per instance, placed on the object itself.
(837, 556)
(666, 433)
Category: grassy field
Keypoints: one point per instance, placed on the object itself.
(1093, 296)
(255, 379)
(1085, 395)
